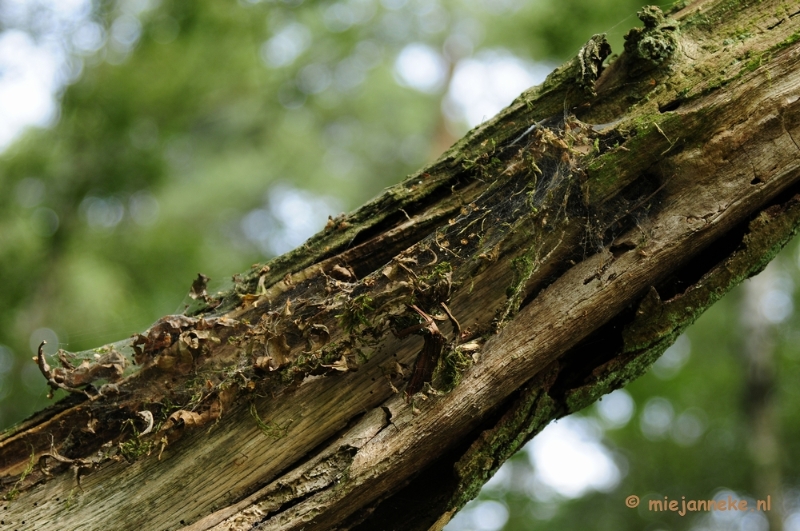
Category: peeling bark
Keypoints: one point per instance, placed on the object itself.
(547, 258)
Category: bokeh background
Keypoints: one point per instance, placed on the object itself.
(144, 141)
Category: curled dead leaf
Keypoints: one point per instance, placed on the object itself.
(159, 336)
(177, 358)
(343, 273)
(278, 349)
(471, 346)
(91, 424)
(193, 419)
(287, 308)
(188, 418)
(147, 416)
(190, 339)
(262, 362)
(109, 366)
(249, 300)
(199, 286)
(339, 365)
(318, 336)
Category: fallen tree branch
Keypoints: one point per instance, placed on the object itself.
(548, 258)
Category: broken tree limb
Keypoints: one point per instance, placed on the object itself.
(550, 257)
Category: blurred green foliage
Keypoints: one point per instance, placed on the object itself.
(198, 133)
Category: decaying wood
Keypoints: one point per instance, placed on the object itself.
(546, 259)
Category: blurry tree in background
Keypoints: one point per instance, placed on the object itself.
(204, 136)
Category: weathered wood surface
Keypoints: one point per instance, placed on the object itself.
(569, 255)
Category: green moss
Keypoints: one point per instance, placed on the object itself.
(12, 494)
(523, 266)
(766, 56)
(719, 13)
(438, 273)
(677, 6)
(793, 38)
(531, 412)
(649, 135)
(752, 64)
(452, 367)
(333, 351)
(656, 42)
(134, 448)
(268, 427)
(355, 313)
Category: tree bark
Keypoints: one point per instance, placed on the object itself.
(376, 377)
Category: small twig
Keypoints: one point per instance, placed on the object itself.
(79, 466)
(409, 271)
(453, 321)
(435, 257)
(428, 356)
(671, 143)
(526, 133)
(436, 239)
(48, 374)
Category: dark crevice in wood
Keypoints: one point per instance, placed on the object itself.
(417, 505)
(297, 500)
(622, 248)
(716, 252)
(394, 219)
(609, 140)
(670, 106)
(371, 255)
(606, 342)
(425, 497)
(602, 345)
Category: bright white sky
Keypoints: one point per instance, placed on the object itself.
(29, 83)
(34, 70)
(481, 86)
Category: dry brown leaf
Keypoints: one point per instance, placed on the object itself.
(279, 351)
(199, 285)
(339, 365)
(192, 419)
